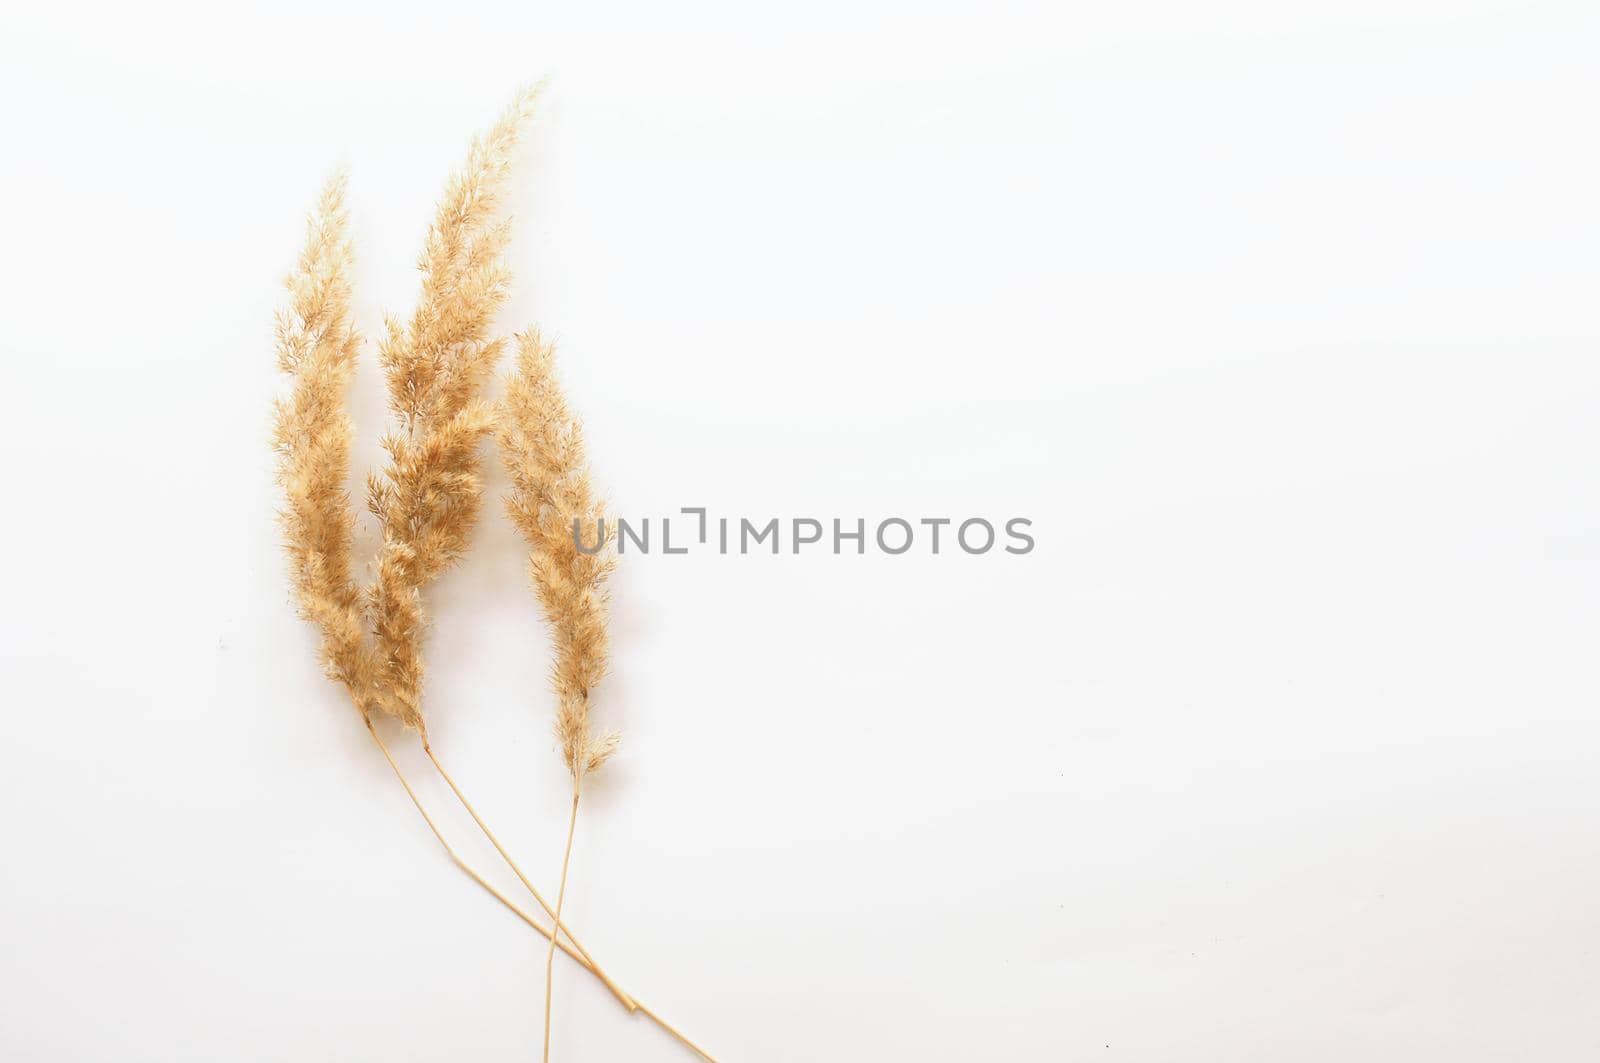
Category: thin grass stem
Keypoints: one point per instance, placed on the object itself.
(561, 895)
(616, 990)
(516, 909)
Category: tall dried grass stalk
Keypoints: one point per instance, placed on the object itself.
(541, 445)
(427, 500)
(317, 347)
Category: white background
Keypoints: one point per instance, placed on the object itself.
(1278, 320)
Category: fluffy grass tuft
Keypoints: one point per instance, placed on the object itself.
(541, 444)
(317, 347)
(428, 498)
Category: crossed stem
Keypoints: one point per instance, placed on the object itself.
(555, 939)
(616, 990)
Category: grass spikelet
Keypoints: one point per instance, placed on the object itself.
(311, 433)
(541, 444)
(428, 498)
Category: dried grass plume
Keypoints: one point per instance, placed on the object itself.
(427, 499)
(541, 445)
(317, 346)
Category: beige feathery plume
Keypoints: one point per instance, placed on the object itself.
(311, 433)
(427, 500)
(541, 444)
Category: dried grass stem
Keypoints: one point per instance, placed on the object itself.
(516, 909)
(616, 990)
(561, 896)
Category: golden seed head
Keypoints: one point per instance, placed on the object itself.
(427, 499)
(541, 446)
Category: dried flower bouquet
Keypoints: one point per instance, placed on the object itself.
(427, 499)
